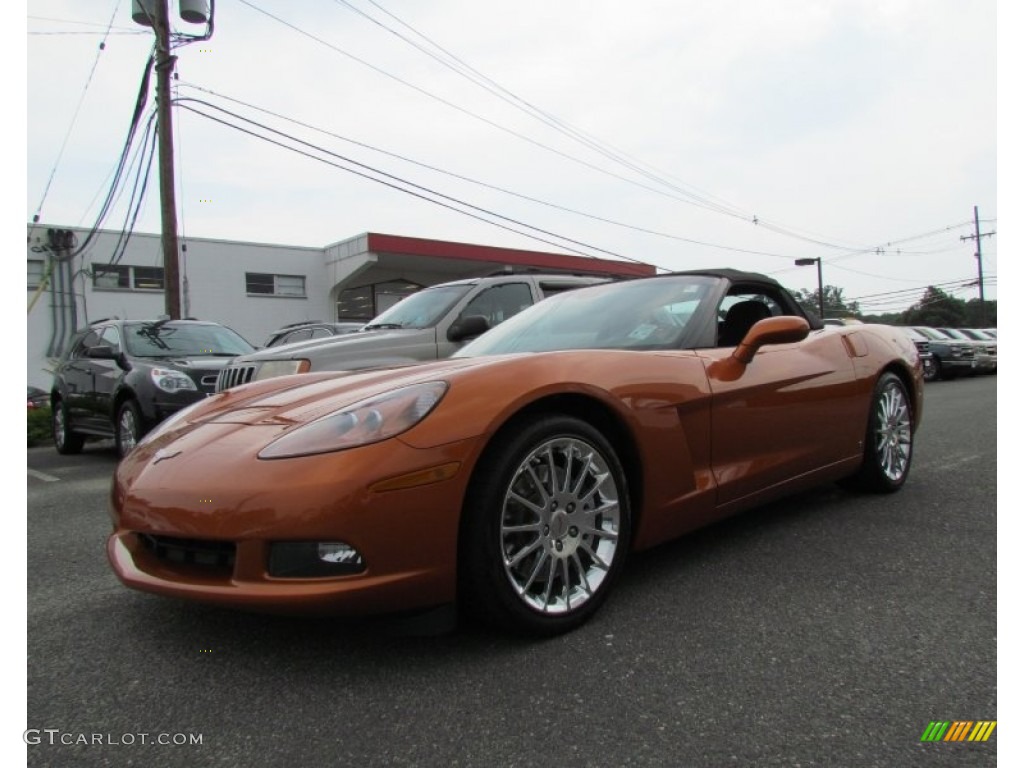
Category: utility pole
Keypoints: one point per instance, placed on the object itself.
(976, 237)
(821, 287)
(165, 134)
(154, 13)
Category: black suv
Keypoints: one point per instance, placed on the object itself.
(120, 378)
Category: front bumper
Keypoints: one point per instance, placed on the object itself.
(215, 492)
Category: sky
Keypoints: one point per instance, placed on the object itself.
(684, 134)
(749, 134)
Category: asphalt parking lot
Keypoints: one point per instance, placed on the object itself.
(825, 630)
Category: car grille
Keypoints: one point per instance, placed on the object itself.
(235, 375)
(212, 554)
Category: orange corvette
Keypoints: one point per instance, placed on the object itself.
(516, 476)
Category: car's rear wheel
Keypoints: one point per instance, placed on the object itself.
(889, 442)
(65, 439)
(129, 428)
(546, 527)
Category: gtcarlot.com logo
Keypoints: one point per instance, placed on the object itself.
(55, 737)
(958, 730)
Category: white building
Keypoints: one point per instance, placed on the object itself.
(254, 288)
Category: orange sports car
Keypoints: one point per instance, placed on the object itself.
(516, 476)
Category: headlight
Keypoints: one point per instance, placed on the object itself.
(368, 421)
(171, 381)
(274, 368)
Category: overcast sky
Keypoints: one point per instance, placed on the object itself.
(749, 133)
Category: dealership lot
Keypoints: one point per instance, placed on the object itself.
(828, 629)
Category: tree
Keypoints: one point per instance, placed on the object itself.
(937, 309)
(835, 304)
(979, 316)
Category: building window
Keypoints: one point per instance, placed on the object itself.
(125, 277)
(35, 273)
(368, 301)
(260, 284)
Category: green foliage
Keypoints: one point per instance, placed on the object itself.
(835, 304)
(38, 426)
(937, 309)
(979, 316)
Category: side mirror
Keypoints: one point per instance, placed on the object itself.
(467, 327)
(771, 330)
(109, 353)
(102, 353)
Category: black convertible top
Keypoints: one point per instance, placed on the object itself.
(732, 275)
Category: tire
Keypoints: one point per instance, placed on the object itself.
(889, 442)
(545, 528)
(946, 373)
(930, 369)
(128, 428)
(65, 439)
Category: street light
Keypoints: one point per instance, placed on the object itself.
(821, 287)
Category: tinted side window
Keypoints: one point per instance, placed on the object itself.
(91, 339)
(500, 303)
(111, 338)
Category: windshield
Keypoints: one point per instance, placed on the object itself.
(421, 310)
(183, 340)
(640, 314)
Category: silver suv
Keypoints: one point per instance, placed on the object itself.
(427, 325)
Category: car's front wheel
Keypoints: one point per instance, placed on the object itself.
(129, 428)
(546, 527)
(889, 442)
(65, 439)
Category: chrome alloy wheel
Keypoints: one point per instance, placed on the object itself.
(560, 525)
(59, 427)
(893, 433)
(127, 430)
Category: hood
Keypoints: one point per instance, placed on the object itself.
(383, 339)
(304, 397)
(201, 363)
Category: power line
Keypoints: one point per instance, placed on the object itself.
(484, 184)
(74, 117)
(394, 182)
(688, 200)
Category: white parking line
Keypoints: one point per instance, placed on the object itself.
(42, 476)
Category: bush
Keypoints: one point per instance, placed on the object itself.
(39, 426)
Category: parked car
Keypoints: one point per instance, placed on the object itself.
(118, 378)
(953, 357)
(986, 348)
(427, 325)
(518, 474)
(37, 398)
(928, 363)
(308, 330)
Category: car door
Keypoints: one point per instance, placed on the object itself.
(793, 409)
(497, 304)
(77, 376)
(106, 375)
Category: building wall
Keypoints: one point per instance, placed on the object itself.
(215, 287)
(215, 272)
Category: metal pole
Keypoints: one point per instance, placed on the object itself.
(977, 255)
(165, 133)
(821, 292)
